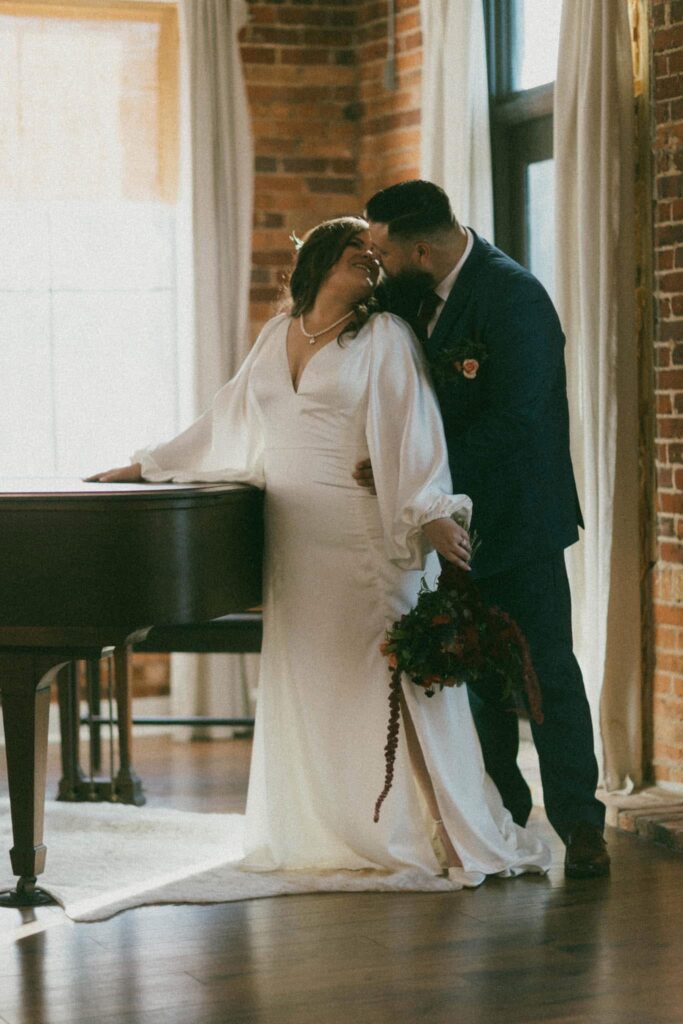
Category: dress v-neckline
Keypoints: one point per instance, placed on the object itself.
(296, 387)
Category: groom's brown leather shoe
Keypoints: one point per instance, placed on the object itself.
(586, 855)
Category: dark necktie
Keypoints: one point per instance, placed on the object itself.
(428, 307)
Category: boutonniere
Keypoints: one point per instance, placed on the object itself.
(461, 360)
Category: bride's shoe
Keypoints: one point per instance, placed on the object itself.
(465, 879)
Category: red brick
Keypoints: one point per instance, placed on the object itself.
(668, 39)
(671, 330)
(409, 42)
(260, 13)
(673, 553)
(337, 37)
(661, 65)
(669, 187)
(302, 16)
(264, 294)
(265, 164)
(407, 22)
(663, 215)
(345, 186)
(668, 234)
(662, 683)
(345, 57)
(666, 638)
(304, 55)
(670, 282)
(670, 502)
(662, 356)
(665, 260)
(275, 34)
(669, 88)
(257, 55)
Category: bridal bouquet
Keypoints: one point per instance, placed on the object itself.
(452, 637)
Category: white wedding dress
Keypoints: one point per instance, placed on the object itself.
(340, 566)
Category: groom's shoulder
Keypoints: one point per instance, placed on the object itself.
(494, 269)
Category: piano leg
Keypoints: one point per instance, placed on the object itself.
(72, 780)
(128, 785)
(25, 678)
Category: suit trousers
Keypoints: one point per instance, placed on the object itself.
(537, 596)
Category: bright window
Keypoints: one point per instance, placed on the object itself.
(88, 124)
(536, 32)
(523, 38)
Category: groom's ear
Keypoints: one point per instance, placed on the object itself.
(423, 252)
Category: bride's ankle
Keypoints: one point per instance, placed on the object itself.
(443, 847)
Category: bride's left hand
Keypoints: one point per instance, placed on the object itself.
(451, 540)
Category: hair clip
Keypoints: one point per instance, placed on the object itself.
(296, 241)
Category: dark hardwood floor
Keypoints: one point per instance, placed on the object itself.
(520, 951)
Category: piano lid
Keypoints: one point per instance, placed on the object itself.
(73, 487)
(128, 556)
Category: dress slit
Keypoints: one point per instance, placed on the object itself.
(440, 836)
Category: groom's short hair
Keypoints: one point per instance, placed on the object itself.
(412, 208)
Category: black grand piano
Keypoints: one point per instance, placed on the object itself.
(82, 566)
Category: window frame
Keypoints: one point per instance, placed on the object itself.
(163, 13)
(521, 126)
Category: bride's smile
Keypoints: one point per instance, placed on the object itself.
(356, 271)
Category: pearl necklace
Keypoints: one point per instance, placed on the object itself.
(312, 338)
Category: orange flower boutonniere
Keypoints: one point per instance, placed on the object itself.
(462, 360)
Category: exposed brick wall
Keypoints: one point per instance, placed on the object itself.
(301, 67)
(666, 27)
(327, 131)
(390, 128)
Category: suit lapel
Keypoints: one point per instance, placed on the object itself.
(459, 296)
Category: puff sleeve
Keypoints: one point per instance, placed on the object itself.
(406, 444)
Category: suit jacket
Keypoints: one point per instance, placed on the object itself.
(507, 428)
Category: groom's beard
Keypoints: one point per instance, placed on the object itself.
(402, 293)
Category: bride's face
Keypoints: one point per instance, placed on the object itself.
(355, 273)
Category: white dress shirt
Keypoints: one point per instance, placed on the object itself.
(444, 288)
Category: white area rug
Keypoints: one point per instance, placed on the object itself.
(104, 858)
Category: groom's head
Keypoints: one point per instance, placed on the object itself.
(416, 236)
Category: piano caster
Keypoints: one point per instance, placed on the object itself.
(128, 789)
(26, 894)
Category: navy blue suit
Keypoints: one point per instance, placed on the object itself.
(507, 431)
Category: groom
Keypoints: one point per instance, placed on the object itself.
(495, 346)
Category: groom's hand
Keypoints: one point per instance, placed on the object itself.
(362, 474)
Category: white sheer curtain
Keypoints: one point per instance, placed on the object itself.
(456, 147)
(217, 185)
(594, 160)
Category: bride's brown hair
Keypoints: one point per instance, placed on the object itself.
(321, 248)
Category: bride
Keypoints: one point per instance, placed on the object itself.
(324, 386)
